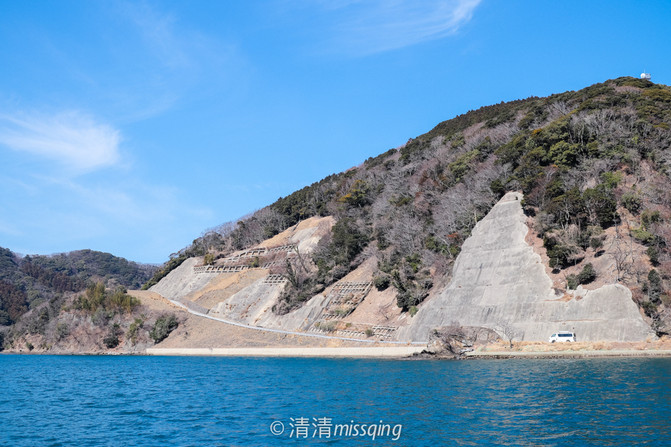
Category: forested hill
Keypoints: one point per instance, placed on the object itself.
(30, 280)
(593, 166)
(590, 163)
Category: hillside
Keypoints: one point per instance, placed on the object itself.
(592, 166)
(417, 239)
(31, 284)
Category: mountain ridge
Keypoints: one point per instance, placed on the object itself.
(614, 133)
(592, 166)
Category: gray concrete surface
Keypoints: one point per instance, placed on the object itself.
(182, 281)
(500, 282)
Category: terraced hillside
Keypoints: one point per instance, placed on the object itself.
(525, 218)
(591, 166)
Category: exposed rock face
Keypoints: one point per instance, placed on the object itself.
(455, 341)
(499, 282)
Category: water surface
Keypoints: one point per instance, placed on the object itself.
(208, 401)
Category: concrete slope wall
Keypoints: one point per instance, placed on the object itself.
(254, 298)
(182, 281)
(253, 306)
(499, 281)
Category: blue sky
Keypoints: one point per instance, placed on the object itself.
(132, 127)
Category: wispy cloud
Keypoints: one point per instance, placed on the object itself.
(158, 30)
(365, 27)
(170, 61)
(73, 139)
(144, 60)
(110, 211)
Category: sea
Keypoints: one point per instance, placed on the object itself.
(223, 401)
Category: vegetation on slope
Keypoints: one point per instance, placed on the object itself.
(593, 165)
(26, 282)
(95, 320)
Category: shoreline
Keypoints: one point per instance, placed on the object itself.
(614, 353)
(338, 352)
(397, 352)
(407, 352)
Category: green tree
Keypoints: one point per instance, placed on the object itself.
(347, 241)
(596, 243)
(463, 164)
(601, 206)
(358, 195)
(134, 329)
(557, 251)
(208, 259)
(653, 254)
(163, 326)
(655, 286)
(111, 340)
(62, 331)
(98, 299)
(381, 282)
(631, 202)
(564, 154)
(587, 275)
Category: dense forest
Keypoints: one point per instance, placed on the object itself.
(588, 162)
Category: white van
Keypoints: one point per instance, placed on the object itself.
(562, 337)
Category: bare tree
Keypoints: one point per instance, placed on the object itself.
(557, 109)
(508, 332)
(622, 255)
(295, 269)
(385, 311)
(451, 339)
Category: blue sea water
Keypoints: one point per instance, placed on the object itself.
(208, 401)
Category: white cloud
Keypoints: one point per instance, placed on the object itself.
(74, 140)
(367, 27)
